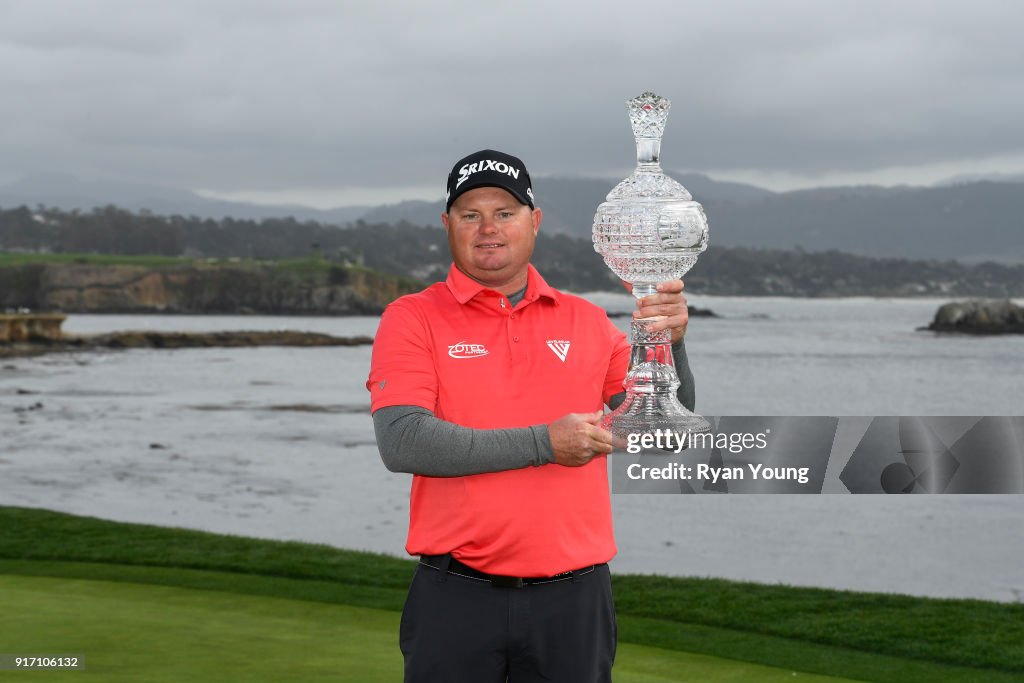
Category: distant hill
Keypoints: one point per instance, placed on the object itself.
(65, 191)
(978, 177)
(413, 211)
(971, 221)
(569, 203)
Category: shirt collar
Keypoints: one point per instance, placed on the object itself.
(464, 288)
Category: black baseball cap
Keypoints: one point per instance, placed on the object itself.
(490, 168)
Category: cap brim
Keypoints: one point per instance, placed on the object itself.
(485, 182)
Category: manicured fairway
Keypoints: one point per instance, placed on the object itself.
(136, 632)
(145, 603)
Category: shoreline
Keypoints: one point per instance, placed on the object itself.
(149, 339)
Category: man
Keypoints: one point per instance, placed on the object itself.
(489, 388)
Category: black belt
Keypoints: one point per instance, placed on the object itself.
(453, 566)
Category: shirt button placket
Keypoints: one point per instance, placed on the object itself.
(511, 330)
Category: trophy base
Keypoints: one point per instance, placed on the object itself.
(648, 413)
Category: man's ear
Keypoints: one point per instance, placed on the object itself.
(537, 215)
(444, 221)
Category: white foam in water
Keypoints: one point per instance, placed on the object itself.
(278, 443)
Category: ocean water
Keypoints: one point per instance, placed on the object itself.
(278, 443)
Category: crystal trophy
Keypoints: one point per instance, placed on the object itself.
(648, 231)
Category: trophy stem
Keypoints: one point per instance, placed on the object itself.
(642, 289)
(651, 384)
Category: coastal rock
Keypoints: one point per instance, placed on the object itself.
(183, 340)
(275, 289)
(979, 316)
(694, 311)
(697, 312)
(132, 339)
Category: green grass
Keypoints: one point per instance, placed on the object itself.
(19, 259)
(175, 634)
(170, 634)
(963, 632)
(156, 261)
(860, 636)
(312, 267)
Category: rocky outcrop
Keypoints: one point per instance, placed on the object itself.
(200, 288)
(187, 340)
(177, 340)
(20, 327)
(979, 316)
(693, 311)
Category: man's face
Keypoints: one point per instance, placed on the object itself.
(491, 236)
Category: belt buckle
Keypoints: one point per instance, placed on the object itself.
(506, 581)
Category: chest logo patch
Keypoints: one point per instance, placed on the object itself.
(559, 347)
(467, 350)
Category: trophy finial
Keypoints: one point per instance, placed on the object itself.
(647, 114)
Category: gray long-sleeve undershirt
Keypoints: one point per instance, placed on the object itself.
(411, 439)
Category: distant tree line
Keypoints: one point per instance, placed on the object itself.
(401, 249)
(422, 253)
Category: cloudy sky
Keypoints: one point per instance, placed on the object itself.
(343, 102)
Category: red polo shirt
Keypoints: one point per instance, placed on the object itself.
(461, 351)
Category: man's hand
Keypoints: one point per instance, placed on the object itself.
(668, 302)
(576, 438)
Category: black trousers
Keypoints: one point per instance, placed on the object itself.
(464, 630)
